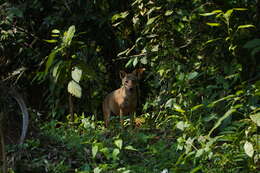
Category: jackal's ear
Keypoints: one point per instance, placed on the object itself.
(122, 74)
(138, 72)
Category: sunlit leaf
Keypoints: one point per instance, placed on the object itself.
(155, 48)
(178, 108)
(55, 35)
(135, 20)
(129, 147)
(115, 154)
(97, 170)
(121, 15)
(192, 75)
(74, 89)
(168, 12)
(51, 41)
(196, 107)
(117, 23)
(165, 171)
(228, 14)
(213, 24)
(94, 151)
(169, 103)
(182, 125)
(256, 118)
(213, 40)
(119, 143)
(212, 13)
(143, 60)
(189, 143)
(151, 20)
(152, 10)
(246, 26)
(76, 74)
(199, 153)
(68, 36)
(135, 61)
(240, 9)
(196, 169)
(222, 99)
(129, 62)
(249, 149)
(123, 52)
(55, 31)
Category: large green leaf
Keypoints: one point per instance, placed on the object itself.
(218, 123)
(74, 89)
(192, 75)
(14, 11)
(50, 59)
(97, 170)
(115, 153)
(182, 125)
(94, 150)
(256, 118)
(252, 43)
(56, 71)
(222, 99)
(255, 50)
(119, 143)
(76, 74)
(249, 149)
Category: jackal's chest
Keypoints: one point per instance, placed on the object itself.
(126, 105)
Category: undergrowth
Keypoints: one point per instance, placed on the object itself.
(225, 143)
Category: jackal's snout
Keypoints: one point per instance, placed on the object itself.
(130, 85)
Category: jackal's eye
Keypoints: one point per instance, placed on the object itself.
(126, 81)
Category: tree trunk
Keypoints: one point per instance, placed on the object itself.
(3, 145)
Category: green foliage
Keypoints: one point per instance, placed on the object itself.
(232, 30)
(199, 98)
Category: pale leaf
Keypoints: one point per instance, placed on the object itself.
(249, 149)
(119, 143)
(76, 74)
(74, 89)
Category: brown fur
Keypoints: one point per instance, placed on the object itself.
(122, 101)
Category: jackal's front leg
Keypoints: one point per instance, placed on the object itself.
(121, 118)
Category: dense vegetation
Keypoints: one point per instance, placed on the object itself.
(199, 103)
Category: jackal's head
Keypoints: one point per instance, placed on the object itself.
(130, 80)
